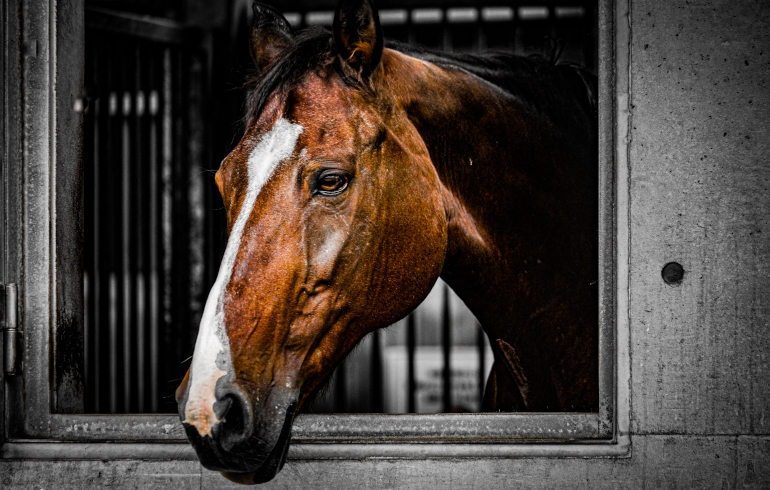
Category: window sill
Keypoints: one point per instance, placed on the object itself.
(35, 450)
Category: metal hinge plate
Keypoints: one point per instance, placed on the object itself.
(12, 341)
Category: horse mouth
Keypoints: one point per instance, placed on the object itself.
(275, 460)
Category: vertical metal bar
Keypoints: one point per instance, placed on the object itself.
(411, 329)
(96, 257)
(154, 239)
(446, 344)
(102, 229)
(340, 389)
(167, 190)
(377, 386)
(95, 239)
(113, 352)
(480, 345)
(139, 182)
(126, 238)
(112, 307)
(103, 225)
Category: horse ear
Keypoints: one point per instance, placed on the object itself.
(358, 35)
(270, 35)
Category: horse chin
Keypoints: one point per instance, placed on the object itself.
(241, 463)
(275, 460)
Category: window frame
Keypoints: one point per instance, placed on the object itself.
(42, 255)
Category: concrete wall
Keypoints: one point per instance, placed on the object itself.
(700, 352)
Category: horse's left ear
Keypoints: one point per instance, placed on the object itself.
(271, 34)
(358, 35)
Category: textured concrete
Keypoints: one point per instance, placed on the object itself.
(700, 196)
(37, 475)
(700, 352)
(666, 462)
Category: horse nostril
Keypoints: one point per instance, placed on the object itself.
(236, 421)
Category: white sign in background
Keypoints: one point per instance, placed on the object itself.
(429, 365)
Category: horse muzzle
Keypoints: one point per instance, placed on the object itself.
(246, 445)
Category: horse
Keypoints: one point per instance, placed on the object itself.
(367, 171)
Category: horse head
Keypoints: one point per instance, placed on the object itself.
(336, 228)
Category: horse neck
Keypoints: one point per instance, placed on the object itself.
(520, 197)
(518, 194)
(445, 107)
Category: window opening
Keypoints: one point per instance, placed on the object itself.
(153, 235)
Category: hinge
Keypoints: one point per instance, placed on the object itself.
(11, 334)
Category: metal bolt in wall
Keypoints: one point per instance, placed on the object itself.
(672, 273)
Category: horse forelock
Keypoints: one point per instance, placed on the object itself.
(311, 49)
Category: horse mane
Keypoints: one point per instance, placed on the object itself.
(526, 77)
(539, 81)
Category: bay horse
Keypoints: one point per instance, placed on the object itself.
(365, 173)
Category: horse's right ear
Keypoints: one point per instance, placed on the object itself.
(271, 34)
(358, 35)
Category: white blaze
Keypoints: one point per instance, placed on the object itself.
(274, 147)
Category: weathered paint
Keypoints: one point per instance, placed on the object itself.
(211, 358)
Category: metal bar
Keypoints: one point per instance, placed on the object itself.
(65, 60)
(140, 222)
(446, 345)
(100, 144)
(102, 223)
(167, 199)
(325, 428)
(357, 452)
(377, 387)
(140, 27)
(112, 229)
(613, 273)
(29, 450)
(11, 333)
(96, 295)
(154, 235)
(96, 270)
(12, 191)
(411, 347)
(442, 427)
(340, 389)
(481, 346)
(127, 233)
(113, 352)
(297, 452)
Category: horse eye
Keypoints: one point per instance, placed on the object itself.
(331, 184)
